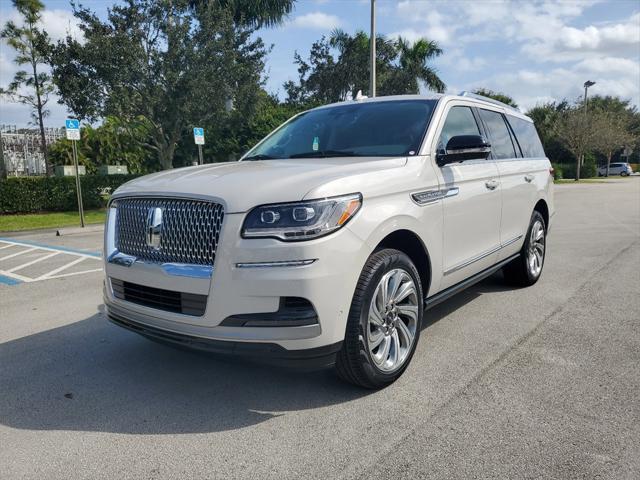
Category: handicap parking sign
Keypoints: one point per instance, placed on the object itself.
(198, 135)
(73, 128)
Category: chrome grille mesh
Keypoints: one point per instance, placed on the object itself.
(190, 230)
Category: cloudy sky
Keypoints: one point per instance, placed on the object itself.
(535, 51)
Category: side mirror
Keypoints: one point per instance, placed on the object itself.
(464, 147)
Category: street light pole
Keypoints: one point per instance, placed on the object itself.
(372, 41)
(586, 86)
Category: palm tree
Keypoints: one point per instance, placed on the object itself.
(254, 13)
(414, 59)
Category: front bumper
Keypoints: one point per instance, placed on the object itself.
(232, 293)
(319, 357)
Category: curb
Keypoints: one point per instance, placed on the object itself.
(75, 230)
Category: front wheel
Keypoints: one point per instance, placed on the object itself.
(527, 268)
(384, 321)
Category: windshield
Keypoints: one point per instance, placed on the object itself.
(384, 129)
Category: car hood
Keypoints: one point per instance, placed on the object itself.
(243, 185)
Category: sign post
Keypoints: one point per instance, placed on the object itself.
(198, 137)
(73, 133)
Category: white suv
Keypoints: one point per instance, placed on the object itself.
(328, 241)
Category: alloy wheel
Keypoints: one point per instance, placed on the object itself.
(393, 320)
(535, 257)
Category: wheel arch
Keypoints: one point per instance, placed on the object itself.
(412, 245)
(543, 209)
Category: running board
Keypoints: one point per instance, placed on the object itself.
(440, 297)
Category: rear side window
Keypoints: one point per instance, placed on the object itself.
(527, 137)
(460, 121)
(501, 144)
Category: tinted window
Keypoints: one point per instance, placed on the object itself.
(388, 128)
(501, 144)
(615, 165)
(527, 137)
(460, 121)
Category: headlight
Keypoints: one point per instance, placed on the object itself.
(301, 220)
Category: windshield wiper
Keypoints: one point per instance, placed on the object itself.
(325, 153)
(259, 157)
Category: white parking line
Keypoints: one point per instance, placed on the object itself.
(11, 277)
(39, 259)
(18, 253)
(60, 269)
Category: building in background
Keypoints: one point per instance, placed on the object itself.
(22, 150)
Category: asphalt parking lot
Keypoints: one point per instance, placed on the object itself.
(541, 382)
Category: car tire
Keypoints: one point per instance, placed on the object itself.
(525, 270)
(384, 321)
(623, 174)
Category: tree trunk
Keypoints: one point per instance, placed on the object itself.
(608, 164)
(577, 168)
(43, 139)
(3, 167)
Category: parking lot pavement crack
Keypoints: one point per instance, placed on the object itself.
(460, 392)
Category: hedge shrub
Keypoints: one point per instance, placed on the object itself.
(558, 171)
(40, 194)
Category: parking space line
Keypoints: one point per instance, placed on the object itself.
(60, 269)
(18, 253)
(27, 243)
(39, 259)
(70, 274)
(11, 277)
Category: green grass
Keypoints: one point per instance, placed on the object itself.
(32, 221)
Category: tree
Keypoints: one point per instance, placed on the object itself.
(501, 97)
(251, 13)
(338, 67)
(173, 64)
(624, 110)
(30, 87)
(546, 117)
(576, 130)
(612, 134)
(112, 143)
(3, 166)
(414, 67)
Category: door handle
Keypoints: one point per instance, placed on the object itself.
(491, 184)
(528, 178)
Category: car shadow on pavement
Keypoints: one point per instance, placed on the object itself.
(93, 376)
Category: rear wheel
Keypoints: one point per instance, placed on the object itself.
(527, 268)
(384, 321)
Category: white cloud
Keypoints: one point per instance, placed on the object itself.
(60, 23)
(530, 87)
(316, 20)
(546, 51)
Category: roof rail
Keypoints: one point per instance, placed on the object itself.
(488, 99)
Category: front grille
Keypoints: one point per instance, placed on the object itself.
(169, 300)
(189, 233)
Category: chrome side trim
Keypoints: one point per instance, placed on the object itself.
(509, 242)
(430, 196)
(482, 255)
(285, 263)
